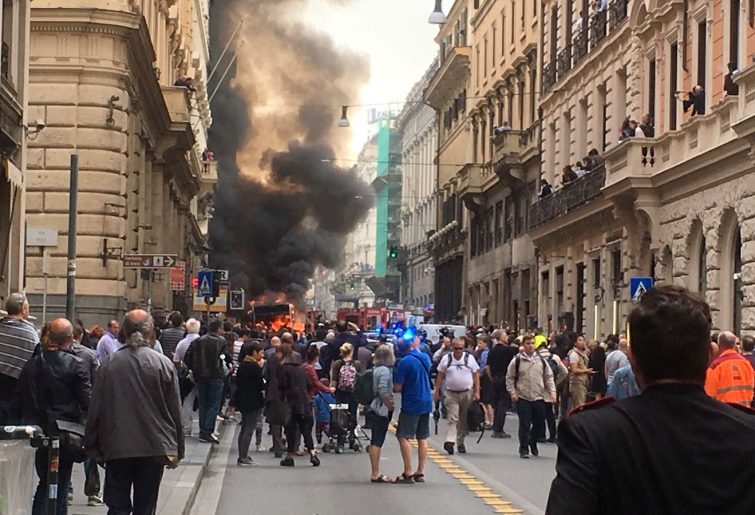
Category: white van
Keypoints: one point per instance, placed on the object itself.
(433, 331)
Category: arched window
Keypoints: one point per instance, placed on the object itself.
(698, 259)
(730, 242)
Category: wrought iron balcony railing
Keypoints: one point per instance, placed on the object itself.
(568, 198)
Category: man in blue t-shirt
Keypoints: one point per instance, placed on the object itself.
(412, 380)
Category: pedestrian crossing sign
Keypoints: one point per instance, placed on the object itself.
(639, 286)
(205, 283)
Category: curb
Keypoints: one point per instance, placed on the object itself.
(195, 489)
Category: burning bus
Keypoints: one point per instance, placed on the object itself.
(275, 316)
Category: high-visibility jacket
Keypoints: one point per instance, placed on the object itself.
(730, 378)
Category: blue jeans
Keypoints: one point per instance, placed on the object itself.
(209, 393)
(39, 507)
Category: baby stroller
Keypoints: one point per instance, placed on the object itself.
(343, 427)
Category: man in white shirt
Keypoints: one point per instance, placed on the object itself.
(462, 376)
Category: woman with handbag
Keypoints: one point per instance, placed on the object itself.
(293, 385)
(53, 392)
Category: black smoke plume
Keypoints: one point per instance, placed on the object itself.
(282, 207)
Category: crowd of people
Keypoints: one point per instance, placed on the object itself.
(134, 391)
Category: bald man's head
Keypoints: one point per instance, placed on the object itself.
(60, 333)
(287, 338)
(275, 341)
(726, 340)
(137, 321)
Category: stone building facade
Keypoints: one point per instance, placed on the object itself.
(498, 190)
(109, 82)
(676, 206)
(14, 132)
(447, 93)
(418, 127)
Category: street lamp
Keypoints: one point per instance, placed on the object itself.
(437, 17)
(344, 121)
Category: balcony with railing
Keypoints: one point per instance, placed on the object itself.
(568, 198)
(452, 72)
(596, 29)
(511, 149)
(638, 162)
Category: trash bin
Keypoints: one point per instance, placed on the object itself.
(18, 479)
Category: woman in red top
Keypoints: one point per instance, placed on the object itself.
(313, 356)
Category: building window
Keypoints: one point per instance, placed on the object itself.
(492, 50)
(734, 32)
(554, 35)
(702, 39)
(651, 89)
(513, 16)
(522, 93)
(580, 307)
(485, 59)
(498, 223)
(673, 84)
(8, 41)
(730, 241)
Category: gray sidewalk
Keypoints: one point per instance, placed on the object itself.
(178, 488)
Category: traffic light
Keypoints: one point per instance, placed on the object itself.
(352, 286)
(393, 252)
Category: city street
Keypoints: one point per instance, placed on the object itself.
(490, 478)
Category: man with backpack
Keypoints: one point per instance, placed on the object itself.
(560, 373)
(462, 375)
(529, 381)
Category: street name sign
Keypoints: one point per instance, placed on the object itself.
(149, 260)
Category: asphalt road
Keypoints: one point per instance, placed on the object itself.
(490, 478)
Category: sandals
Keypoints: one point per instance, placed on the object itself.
(382, 479)
(419, 478)
(404, 479)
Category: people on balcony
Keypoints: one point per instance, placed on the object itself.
(545, 189)
(208, 156)
(695, 99)
(730, 87)
(628, 129)
(185, 82)
(568, 176)
(502, 128)
(647, 127)
(596, 159)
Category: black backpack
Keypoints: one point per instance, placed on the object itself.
(549, 361)
(363, 390)
(476, 419)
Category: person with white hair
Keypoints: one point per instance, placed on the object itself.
(188, 390)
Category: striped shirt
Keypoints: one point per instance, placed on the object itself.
(18, 338)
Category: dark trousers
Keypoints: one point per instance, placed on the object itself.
(550, 421)
(501, 403)
(209, 393)
(277, 433)
(39, 505)
(531, 422)
(299, 426)
(141, 474)
(248, 427)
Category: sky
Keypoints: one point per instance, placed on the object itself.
(396, 39)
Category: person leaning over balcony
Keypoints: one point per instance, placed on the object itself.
(545, 189)
(646, 128)
(568, 175)
(695, 99)
(597, 159)
(730, 87)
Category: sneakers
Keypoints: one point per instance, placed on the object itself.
(500, 435)
(245, 462)
(462, 448)
(209, 439)
(259, 447)
(287, 462)
(534, 451)
(449, 447)
(314, 460)
(70, 499)
(94, 500)
(524, 455)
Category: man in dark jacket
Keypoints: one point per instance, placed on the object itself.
(249, 399)
(53, 387)
(671, 450)
(134, 424)
(204, 358)
(499, 358)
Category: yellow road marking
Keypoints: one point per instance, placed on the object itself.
(487, 495)
(507, 510)
(471, 482)
(497, 502)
